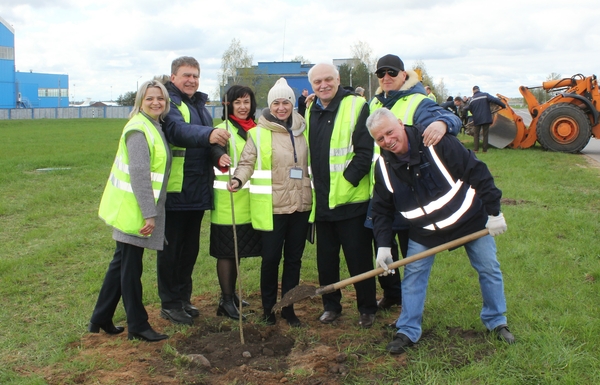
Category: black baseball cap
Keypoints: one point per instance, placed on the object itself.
(390, 61)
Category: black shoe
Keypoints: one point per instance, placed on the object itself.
(329, 316)
(109, 328)
(386, 303)
(227, 308)
(504, 334)
(236, 300)
(269, 318)
(289, 315)
(191, 310)
(147, 335)
(177, 316)
(399, 345)
(365, 321)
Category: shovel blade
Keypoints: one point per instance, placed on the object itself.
(296, 294)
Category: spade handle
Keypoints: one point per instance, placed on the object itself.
(424, 254)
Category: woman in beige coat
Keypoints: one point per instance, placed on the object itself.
(290, 192)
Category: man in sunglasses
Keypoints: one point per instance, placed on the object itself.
(403, 94)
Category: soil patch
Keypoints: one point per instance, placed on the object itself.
(211, 352)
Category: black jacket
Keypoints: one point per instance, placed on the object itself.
(419, 181)
(480, 107)
(320, 129)
(449, 105)
(198, 175)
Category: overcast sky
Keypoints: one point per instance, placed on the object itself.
(107, 47)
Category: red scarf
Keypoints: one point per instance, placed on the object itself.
(246, 124)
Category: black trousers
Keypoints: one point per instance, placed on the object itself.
(289, 236)
(175, 263)
(485, 130)
(356, 241)
(123, 279)
(391, 284)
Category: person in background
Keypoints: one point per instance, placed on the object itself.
(482, 116)
(450, 106)
(241, 110)
(275, 161)
(463, 113)
(188, 128)
(341, 152)
(445, 193)
(302, 102)
(360, 91)
(133, 203)
(430, 94)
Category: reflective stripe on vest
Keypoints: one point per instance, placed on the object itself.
(221, 215)
(119, 207)
(178, 153)
(261, 182)
(441, 202)
(341, 153)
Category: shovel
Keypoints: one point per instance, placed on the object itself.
(304, 291)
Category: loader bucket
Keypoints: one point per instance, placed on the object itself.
(503, 130)
(507, 128)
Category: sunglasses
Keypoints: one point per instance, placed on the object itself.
(381, 73)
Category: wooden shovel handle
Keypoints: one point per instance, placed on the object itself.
(424, 254)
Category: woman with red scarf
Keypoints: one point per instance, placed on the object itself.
(241, 109)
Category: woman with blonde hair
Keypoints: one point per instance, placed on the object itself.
(133, 203)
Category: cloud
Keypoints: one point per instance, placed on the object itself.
(109, 47)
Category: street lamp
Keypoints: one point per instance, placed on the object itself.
(351, 68)
(137, 84)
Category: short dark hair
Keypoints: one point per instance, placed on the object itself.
(184, 61)
(236, 92)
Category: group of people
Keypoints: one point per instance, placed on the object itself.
(367, 175)
(475, 110)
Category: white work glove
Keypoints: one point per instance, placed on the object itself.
(496, 224)
(384, 258)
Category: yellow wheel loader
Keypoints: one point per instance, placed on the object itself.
(565, 123)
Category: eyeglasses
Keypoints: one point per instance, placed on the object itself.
(381, 73)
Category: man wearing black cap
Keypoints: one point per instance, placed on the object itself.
(482, 116)
(405, 96)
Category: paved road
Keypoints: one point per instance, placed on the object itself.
(592, 149)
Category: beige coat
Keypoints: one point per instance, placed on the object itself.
(289, 195)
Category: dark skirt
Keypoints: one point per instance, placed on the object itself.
(222, 246)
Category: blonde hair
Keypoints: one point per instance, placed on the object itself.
(142, 92)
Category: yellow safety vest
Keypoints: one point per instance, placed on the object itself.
(178, 153)
(341, 152)
(404, 109)
(261, 182)
(221, 215)
(119, 207)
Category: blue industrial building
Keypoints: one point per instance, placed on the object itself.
(294, 72)
(27, 89)
(263, 76)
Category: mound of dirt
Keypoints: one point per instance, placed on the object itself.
(211, 352)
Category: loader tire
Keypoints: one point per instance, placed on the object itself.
(564, 128)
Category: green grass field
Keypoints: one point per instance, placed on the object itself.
(54, 252)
